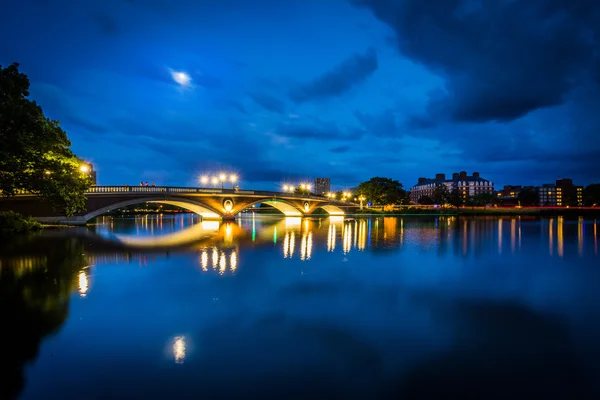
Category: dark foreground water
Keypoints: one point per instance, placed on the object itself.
(168, 307)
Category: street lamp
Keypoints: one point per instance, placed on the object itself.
(204, 180)
(84, 168)
(285, 188)
(215, 181)
(233, 179)
(222, 178)
(361, 198)
(308, 187)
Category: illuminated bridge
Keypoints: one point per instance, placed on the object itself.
(211, 204)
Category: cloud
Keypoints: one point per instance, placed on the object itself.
(339, 80)
(340, 149)
(268, 102)
(501, 60)
(319, 131)
(382, 125)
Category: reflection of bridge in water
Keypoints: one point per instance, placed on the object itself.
(219, 246)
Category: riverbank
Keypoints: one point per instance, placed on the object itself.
(12, 223)
(487, 211)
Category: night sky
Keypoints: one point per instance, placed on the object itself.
(284, 91)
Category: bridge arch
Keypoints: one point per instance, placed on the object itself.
(203, 210)
(287, 208)
(331, 209)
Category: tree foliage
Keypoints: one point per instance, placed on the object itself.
(35, 153)
(382, 191)
(528, 197)
(441, 194)
(591, 195)
(456, 198)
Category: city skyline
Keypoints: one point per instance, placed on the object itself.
(282, 92)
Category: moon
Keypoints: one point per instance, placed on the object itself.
(181, 78)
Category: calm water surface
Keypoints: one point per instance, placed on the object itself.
(171, 307)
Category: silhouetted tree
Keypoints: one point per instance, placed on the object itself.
(440, 194)
(382, 191)
(483, 199)
(456, 198)
(425, 200)
(591, 195)
(35, 152)
(528, 197)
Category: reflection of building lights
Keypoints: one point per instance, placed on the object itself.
(551, 236)
(331, 238)
(83, 284)
(204, 260)
(595, 239)
(286, 243)
(347, 238)
(559, 237)
(499, 235)
(362, 235)
(222, 264)
(580, 235)
(179, 349)
(513, 235)
(309, 245)
(233, 261)
(215, 257)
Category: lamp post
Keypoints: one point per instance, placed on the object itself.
(222, 178)
(215, 182)
(361, 198)
(233, 179)
(204, 180)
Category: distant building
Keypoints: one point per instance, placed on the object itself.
(562, 193)
(322, 185)
(467, 185)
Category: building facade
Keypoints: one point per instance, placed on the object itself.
(322, 185)
(562, 193)
(467, 185)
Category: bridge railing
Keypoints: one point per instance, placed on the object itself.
(181, 189)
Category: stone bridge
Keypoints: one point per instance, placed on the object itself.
(209, 203)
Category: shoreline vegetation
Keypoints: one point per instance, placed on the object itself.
(15, 223)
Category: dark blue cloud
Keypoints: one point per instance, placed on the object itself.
(268, 102)
(285, 91)
(339, 80)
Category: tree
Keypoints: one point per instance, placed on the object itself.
(483, 199)
(382, 191)
(440, 194)
(591, 195)
(528, 197)
(456, 198)
(301, 189)
(425, 200)
(35, 153)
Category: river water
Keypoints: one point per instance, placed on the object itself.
(420, 307)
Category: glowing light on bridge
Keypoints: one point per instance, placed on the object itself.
(204, 180)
